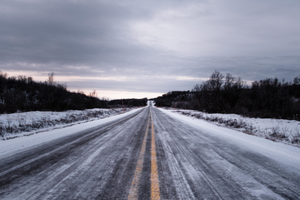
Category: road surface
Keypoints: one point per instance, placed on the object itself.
(146, 155)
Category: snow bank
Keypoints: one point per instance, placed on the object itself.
(280, 130)
(28, 123)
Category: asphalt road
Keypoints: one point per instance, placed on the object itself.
(146, 155)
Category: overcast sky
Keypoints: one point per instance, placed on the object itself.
(139, 48)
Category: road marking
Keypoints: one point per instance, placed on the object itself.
(133, 193)
(155, 194)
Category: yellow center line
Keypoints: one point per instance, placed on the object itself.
(133, 193)
(155, 194)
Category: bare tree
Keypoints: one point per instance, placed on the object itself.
(50, 79)
(216, 81)
(93, 94)
(229, 81)
(80, 92)
(3, 75)
(296, 80)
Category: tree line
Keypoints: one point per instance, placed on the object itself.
(24, 94)
(269, 97)
(127, 103)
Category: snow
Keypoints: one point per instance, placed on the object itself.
(28, 123)
(183, 163)
(38, 115)
(280, 130)
(12, 146)
(273, 149)
(281, 152)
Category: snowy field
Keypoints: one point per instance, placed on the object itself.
(279, 130)
(29, 123)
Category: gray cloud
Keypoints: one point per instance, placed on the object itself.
(105, 38)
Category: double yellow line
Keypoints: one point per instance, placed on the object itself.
(155, 193)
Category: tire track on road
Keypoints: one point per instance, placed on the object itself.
(52, 160)
(207, 161)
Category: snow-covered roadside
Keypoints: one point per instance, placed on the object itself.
(279, 130)
(29, 123)
(281, 152)
(9, 147)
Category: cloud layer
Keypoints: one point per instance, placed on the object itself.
(149, 46)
